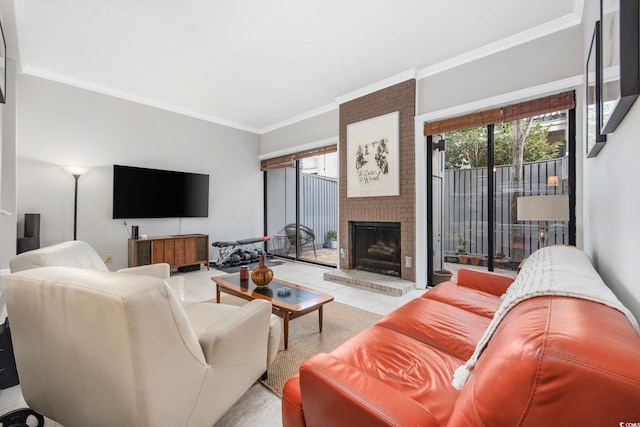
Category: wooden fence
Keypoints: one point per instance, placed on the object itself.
(319, 204)
(466, 203)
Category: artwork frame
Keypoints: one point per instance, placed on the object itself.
(594, 139)
(373, 151)
(619, 73)
(3, 67)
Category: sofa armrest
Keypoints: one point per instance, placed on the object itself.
(338, 394)
(243, 334)
(486, 281)
(161, 270)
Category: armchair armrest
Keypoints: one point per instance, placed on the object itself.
(341, 395)
(161, 270)
(240, 335)
(486, 281)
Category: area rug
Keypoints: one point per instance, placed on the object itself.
(340, 322)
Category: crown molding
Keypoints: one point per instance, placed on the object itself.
(503, 99)
(304, 116)
(298, 148)
(382, 84)
(543, 30)
(38, 72)
(548, 28)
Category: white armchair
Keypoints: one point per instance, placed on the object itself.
(77, 253)
(98, 348)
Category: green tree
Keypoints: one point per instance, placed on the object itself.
(523, 140)
(467, 148)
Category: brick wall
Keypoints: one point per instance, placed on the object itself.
(402, 208)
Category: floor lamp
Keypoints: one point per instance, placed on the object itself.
(77, 172)
(543, 208)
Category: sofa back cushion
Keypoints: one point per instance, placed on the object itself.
(555, 361)
(74, 253)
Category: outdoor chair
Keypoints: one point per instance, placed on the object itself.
(306, 236)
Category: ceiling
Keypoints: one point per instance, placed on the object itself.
(260, 64)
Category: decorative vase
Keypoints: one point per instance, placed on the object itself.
(262, 274)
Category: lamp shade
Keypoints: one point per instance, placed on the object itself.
(76, 170)
(552, 181)
(543, 208)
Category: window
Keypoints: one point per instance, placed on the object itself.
(528, 150)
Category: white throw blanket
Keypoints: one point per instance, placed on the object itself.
(556, 270)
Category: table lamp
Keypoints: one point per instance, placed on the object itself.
(543, 208)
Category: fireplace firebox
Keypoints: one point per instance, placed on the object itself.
(376, 247)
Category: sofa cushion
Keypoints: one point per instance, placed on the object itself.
(485, 281)
(475, 301)
(405, 366)
(448, 328)
(555, 358)
(338, 394)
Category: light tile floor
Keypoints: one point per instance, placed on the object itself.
(259, 407)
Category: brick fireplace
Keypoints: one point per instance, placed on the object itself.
(397, 210)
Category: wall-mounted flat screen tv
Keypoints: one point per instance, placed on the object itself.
(155, 193)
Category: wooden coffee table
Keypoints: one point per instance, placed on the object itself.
(298, 302)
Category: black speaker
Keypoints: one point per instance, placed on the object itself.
(134, 232)
(31, 239)
(31, 225)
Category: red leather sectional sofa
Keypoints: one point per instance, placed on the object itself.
(552, 361)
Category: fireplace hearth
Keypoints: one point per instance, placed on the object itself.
(376, 247)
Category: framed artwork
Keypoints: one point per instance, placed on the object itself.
(3, 67)
(373, 150)
(595, 140)
(619, 31)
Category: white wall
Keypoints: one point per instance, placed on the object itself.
(612, 199)
(62, 125)
(319, 128)
(8, 173)
(551, 58)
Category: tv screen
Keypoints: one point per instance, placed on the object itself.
(155, 193)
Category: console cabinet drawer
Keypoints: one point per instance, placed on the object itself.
(177, 251)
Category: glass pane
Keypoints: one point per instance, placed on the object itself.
(465, 201)
(318, 209)
(531, 159)
(437, 206)
(281, 208)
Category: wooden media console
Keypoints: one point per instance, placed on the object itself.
(178, 251)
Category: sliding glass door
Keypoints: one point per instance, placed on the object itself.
(477, 181)
(532, 159)
(301, 209)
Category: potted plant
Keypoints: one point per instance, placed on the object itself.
(461, 247)
(441, 276)
(332, 236)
